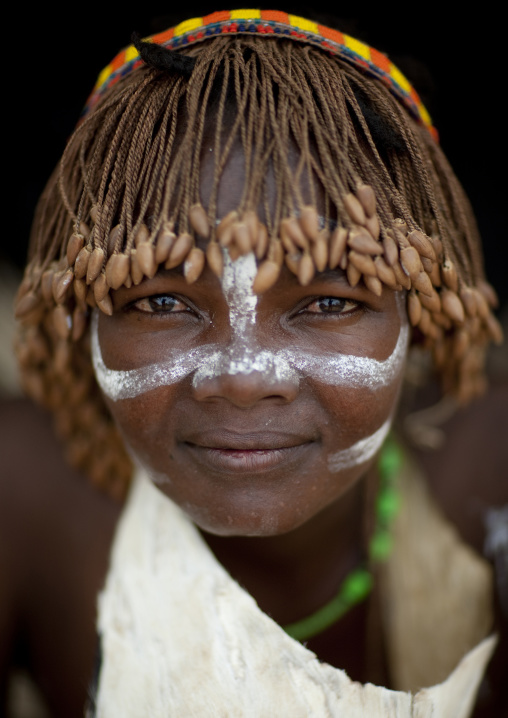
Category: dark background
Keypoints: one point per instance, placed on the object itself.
(453, 59)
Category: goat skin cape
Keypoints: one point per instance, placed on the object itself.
(181, 638)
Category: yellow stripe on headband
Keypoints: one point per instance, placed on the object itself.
(272, 23)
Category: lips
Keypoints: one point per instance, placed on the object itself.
(246, 441)
(246, 452)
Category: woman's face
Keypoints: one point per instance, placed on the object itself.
(252, 413)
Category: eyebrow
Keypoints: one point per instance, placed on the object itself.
(174, 272)
(332, 275)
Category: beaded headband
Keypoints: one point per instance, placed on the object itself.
(270, 22)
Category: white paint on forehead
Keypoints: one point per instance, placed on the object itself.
(360, 452)
(237, 280)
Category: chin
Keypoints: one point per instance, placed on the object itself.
(237, 523)
(241, 520)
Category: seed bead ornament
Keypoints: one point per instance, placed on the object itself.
(126, 201)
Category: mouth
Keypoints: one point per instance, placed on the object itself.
(230, 452)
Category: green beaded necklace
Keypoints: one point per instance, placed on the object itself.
(358, 583)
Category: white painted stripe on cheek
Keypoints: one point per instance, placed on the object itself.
(243, 355)
(117, 384)
(209, 362)
(329, 368)
(360, 452)
(350, 370)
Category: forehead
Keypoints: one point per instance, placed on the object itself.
(236, 181)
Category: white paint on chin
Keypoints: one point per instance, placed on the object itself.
(361, 452)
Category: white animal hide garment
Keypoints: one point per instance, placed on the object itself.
(181, 638)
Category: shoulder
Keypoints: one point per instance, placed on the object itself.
(467, 476)
(468, 473)
(41, 497)
(55, 535)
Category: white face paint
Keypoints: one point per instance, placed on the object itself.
(209, 361)
(360, 452)
(244, 356)
(237, 280)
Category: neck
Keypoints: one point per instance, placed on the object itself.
(293, 574)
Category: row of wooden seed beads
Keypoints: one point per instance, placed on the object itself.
(401, 259)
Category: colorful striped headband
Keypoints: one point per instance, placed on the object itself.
(270, 22)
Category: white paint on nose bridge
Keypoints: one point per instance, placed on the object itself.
(237, 280)
(243, 355)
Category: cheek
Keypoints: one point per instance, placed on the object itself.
(360, 421)
(147, 426)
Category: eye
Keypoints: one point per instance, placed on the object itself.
(160, 304)
(331, 305)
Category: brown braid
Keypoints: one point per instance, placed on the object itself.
(126, 200)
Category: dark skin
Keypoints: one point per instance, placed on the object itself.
(54, 554)
(55, 532)
(234, 456)
(308, 522)
(247, 459)
(225, 445)
(284, 525)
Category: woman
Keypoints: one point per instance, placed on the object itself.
(243, 234)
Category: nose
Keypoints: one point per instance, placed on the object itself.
(247, 388)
